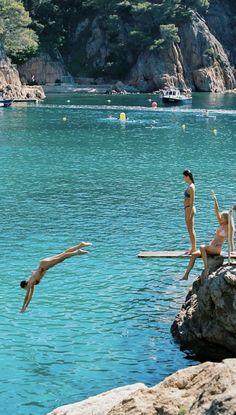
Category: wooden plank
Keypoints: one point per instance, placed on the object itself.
(173, 254)
(162, 254)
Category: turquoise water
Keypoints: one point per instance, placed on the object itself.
(102, 320)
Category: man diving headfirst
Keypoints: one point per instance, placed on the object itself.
(44, 265)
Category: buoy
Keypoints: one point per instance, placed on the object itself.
(214, 131)
(154, 104)
(183, 126)
(122, 116)
(109, 101)
(149, 100)
(68, 100)
(64, 118)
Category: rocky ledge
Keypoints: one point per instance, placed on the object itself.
(206, 389)
(206, 323)
(10, 84)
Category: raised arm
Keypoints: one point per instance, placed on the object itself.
(28, 296)
(216, 207)
(231, 235)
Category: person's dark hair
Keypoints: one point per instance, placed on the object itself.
(23, 283)
(188, 173)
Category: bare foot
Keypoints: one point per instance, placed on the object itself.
(184, 278)
(83, 244)
(193, 251)
(81, 251)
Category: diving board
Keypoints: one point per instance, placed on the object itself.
(163, 254)
(173, 254)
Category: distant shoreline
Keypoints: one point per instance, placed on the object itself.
(108, 89)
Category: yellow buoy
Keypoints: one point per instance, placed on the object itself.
(183, 126)
(64, 118)
(122, 116)
(214, 131)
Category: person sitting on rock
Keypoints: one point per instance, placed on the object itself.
(215, 246)
(44, 266)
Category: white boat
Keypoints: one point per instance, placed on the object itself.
(174, 96)
(5, 102)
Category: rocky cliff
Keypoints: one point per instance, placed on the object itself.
(207, 389)
(206, 323)
(10, 84)
(198, 61)
(203, 59)
(45, 69)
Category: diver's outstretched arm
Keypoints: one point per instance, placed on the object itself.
(28, 296)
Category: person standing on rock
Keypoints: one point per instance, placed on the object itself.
(190, 209)
(215, 246)
(44, 266)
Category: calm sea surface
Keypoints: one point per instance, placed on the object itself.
(103, 320)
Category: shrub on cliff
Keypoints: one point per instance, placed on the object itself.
(18, 39)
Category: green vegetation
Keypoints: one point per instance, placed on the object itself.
(182, 410)
(18, 39)
(128, 27)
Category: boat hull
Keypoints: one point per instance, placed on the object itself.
(176, 101)
(5, 102)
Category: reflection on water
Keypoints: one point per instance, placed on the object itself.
(101, 320)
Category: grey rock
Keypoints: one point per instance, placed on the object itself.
(206, 323)
(45, 70)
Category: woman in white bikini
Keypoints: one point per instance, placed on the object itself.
(190, 209)
(44, 266)
(215, 246)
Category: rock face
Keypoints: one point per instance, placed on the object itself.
(205, 63)
(206, 389)
(44, 69)
(10, 84)
(206, 323)
(198, 61)
(203, 60)
(100, 404)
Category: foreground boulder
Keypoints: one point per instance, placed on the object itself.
(206, 323)
(206, 389)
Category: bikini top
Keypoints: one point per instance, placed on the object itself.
(186, 194)
(221, 233)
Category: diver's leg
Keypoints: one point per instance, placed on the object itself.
(191, 264)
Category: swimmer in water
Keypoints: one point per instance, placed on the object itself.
(44, 266)
(215, 246)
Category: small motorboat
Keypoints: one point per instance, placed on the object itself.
(174, 96)
(5, 102)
